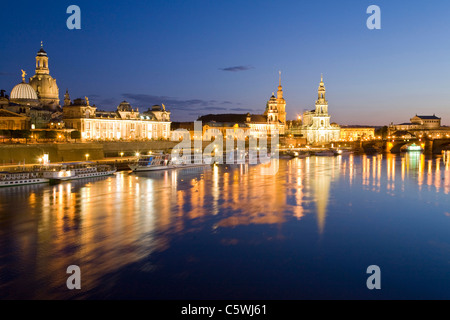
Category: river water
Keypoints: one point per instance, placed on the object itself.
(308, 231)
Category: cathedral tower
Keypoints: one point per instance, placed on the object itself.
(43, 83)
(281, 103)
(321, 103)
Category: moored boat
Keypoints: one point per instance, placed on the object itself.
(81, 171)
(167, 162)
(326, 153)
(414, 148)
(13, 179)
(76, 170)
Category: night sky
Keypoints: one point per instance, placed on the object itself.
(200, 57)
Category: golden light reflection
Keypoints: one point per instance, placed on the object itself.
(105, 224)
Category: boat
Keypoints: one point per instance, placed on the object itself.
(13, 179)
(326, 153)
(82, 171)
(55, 172)
(75, 171)
(52, 173)
(167, 162)
(414, 148)
(301, 154)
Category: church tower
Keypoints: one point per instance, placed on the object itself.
(272, 109)
(43, 83)
(316, 123)
(67, 101)
(281, 103)
(321, 103)
(42, 61)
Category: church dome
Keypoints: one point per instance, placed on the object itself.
(42, 52)
(124, 107)
(23, 91)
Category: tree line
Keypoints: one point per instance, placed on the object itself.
(47, 135)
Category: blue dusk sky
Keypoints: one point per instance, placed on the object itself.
(200, 57)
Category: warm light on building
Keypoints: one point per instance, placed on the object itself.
(124, 124)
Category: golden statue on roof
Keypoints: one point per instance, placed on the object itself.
(23, 75)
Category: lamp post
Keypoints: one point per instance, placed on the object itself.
(87, 156)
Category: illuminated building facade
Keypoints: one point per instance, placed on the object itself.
(276, 107)
(13, 121)
(356, 133)
(41, 90)
(256, 125)
(38, 99)
(316, 127)
(422, 126)
(124, 124)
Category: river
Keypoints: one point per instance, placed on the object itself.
(308, 231)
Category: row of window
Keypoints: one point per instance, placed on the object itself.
(20, 182)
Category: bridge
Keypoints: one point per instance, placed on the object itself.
(396, 145)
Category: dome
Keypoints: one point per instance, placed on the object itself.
(124, 106)
(23, 91)
(42, 52)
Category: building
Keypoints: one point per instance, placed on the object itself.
(13, 121)
(355, 133)
(43, 83)
(256, 125)
(37, 104)
(38, 99)
(421, 127)
(276, 106)
(41, 90)
(316, 126)
(23, 95)
(124, 124)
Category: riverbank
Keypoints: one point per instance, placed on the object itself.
(63, 152)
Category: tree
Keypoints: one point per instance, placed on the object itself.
(5, 134)
(21, 134)
(382, 132)
(26, 134)
(75, 135)
(51, 135)
(39, 135)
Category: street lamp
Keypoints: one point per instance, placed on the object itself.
(87, 156)
(137, 154)
(121, 154)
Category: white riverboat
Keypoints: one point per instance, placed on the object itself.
(167, 162)
(414, 148)
(13, 179)
(54, 173)
(81, 171)
(76, 170)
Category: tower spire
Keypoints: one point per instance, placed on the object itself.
(279, 82)
(321, 91)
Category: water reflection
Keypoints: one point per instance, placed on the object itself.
(104, 224)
